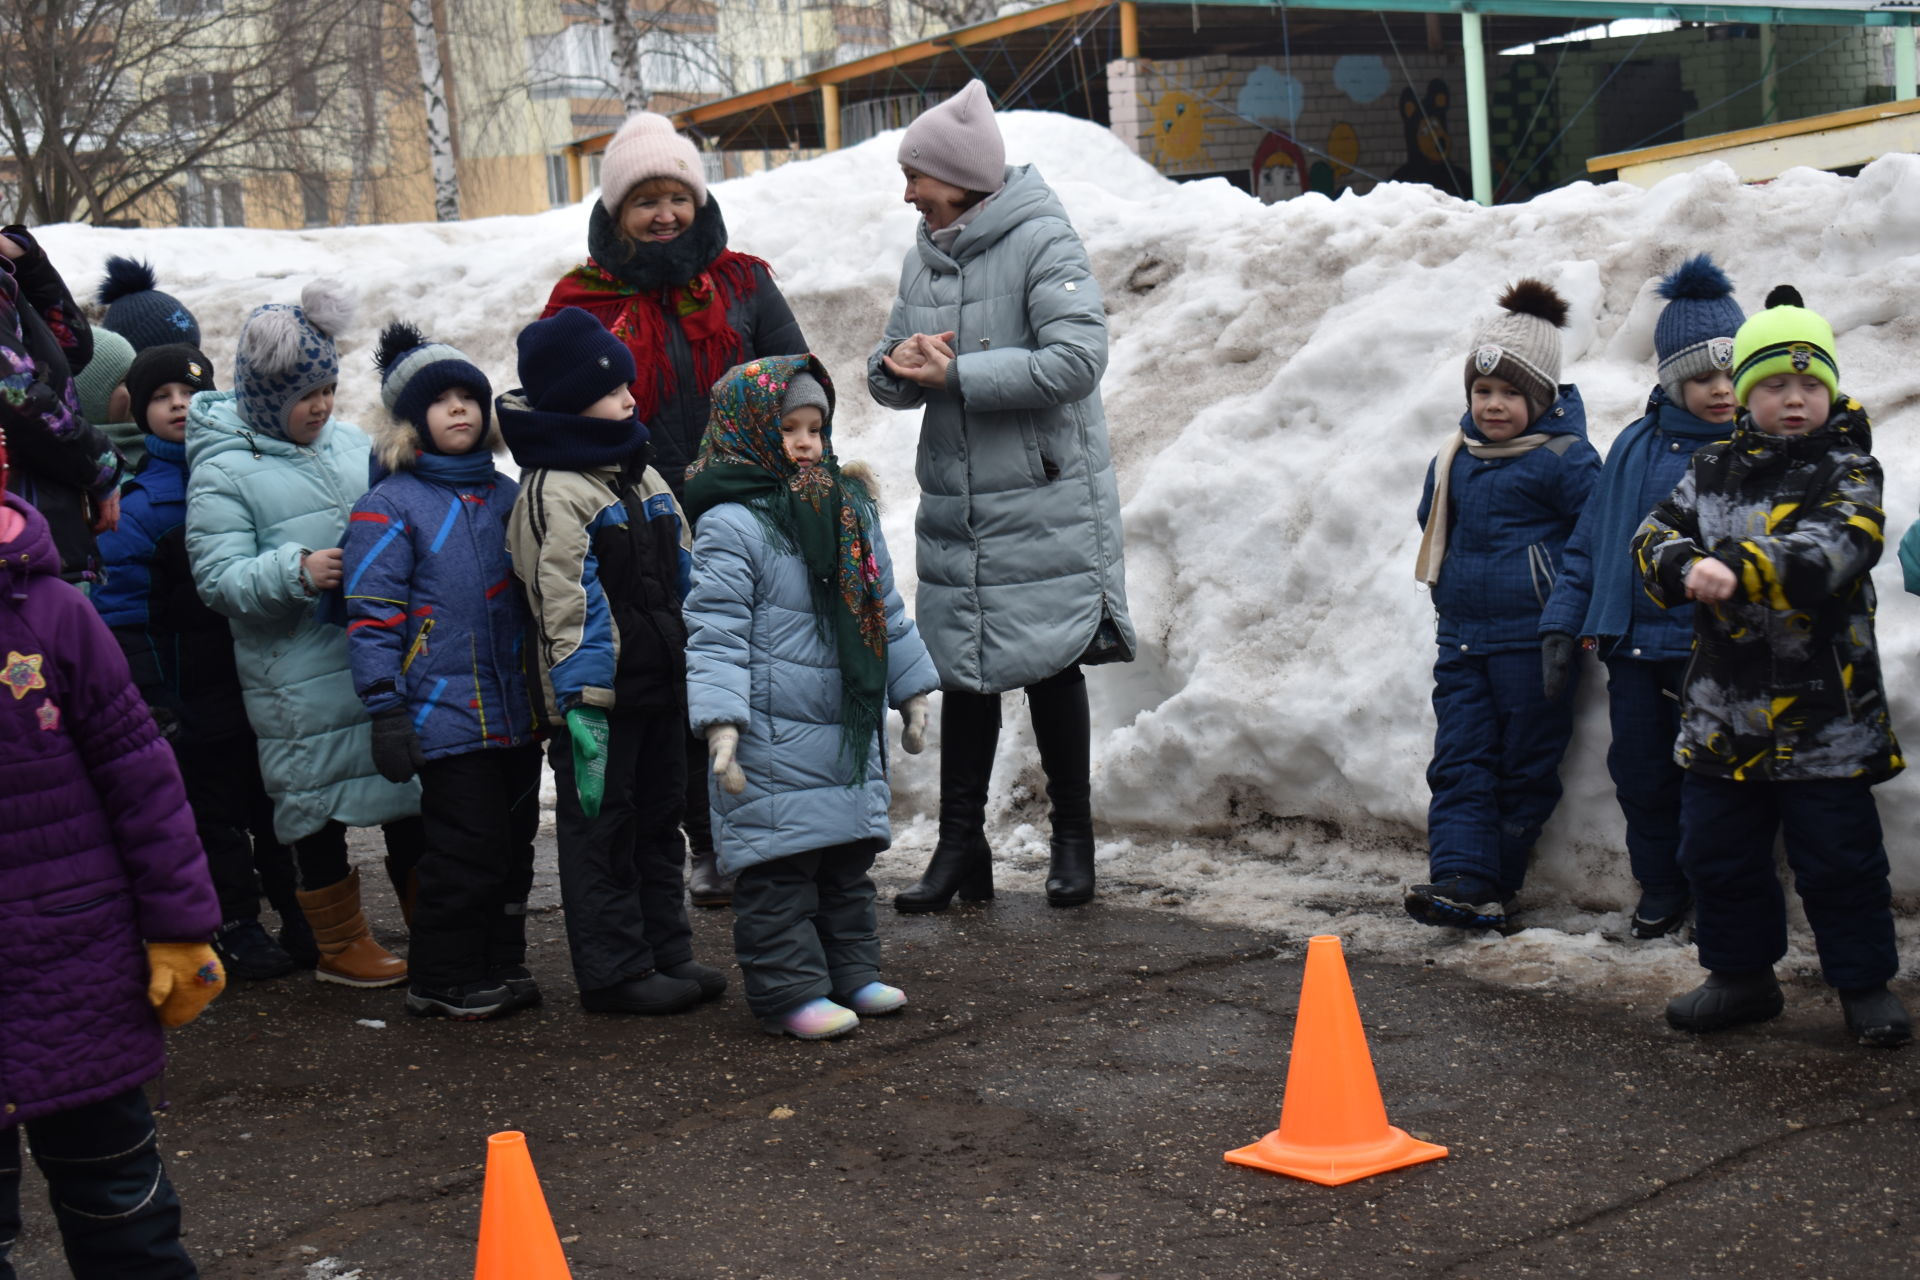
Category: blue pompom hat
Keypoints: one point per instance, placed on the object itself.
(569, 360)
(287, 351)
(139, 312)
(1695, 332)
(413, 373)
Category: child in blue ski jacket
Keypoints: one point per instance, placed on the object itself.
(1500, 502)
(182, 658)
(1599, 599)
(437, 633)
(799, 644)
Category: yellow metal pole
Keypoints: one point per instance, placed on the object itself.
(1129, 29)
(830, 114)
(576, 176)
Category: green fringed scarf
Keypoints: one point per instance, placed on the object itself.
(823, 515)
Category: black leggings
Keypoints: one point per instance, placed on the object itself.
(321, 858)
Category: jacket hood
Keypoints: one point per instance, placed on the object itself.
(567, 441)
(30, 552)
(1567, 417)
(1025, 196)
(1847, 427)
(214, 426)
(396, 443)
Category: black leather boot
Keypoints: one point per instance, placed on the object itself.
(705, 885)
(1062, 730)
(962, 862)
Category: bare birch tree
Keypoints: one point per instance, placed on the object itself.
(433, 85)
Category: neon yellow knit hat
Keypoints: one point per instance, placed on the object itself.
(1785, 338)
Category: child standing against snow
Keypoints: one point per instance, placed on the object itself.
(104, 920)
(598, 542)
(1500, 502)
(1599, 596)
(437, 632)
(182, 657)
(798, 639)
(1783, 719)
(272, 478)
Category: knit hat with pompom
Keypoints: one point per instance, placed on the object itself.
(288, 351)
(1522, 345)
(1694, 334)
(647, 146)
(139, 312)
(1785, 338)
(414, 372)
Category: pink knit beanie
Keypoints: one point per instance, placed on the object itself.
(958, 142)
(647, 147)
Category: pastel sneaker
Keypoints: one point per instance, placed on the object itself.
(876, 1000)
(819, 1019)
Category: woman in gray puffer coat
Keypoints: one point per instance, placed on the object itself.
(1019, 545)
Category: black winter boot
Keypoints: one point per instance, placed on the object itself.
(1876, 1017)
(507, 955)
(705, 885)
(962, 862)
(1061, 728)
(1727, 1000)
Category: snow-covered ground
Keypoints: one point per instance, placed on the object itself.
(1279, 377)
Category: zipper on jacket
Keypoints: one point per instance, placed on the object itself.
(419, 645)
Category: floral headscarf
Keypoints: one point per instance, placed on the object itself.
(823, 515)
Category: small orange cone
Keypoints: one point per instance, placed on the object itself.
(1333, 1125)
(517, 1239)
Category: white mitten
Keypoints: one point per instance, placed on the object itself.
(722, 741)
(913, 734)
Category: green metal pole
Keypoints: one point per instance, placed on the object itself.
(1904, 86)
(1480, 154)
(1769, 79)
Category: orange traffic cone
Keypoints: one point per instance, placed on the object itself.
(517, 1239)
(1333, 1126)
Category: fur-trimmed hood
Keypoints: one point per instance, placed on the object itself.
(396, 443)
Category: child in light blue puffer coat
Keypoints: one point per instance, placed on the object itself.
(798, 644)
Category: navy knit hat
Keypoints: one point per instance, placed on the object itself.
(1694, 334)
(569, 360)
(413, 373)
(139, 312)
(155, 367)
(287, 351)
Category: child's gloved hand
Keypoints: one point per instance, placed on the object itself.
(1556, 659)
(587, 728)
(722, 741)
(396, 747)
(913, 733)
(183, 977)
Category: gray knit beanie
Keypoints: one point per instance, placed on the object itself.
(1522, 345)
(804, 390)
(958, 142)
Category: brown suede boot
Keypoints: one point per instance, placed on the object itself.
(348, 953)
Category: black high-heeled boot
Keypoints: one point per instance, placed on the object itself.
(962, 862)
(1062, 730)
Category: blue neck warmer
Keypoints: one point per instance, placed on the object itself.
(1615, 507)
(567, 441)
(166, 450)
(457, 470)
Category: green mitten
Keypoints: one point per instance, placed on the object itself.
(587, 727)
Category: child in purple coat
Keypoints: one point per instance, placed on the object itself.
(105, 917)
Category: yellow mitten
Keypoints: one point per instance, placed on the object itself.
(185, 976)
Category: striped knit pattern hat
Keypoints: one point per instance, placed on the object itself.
(1694, 334)
(1785, 338)
(413, 373)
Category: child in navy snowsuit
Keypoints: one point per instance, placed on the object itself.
(599, 544)
(1599, 596)
(800, 643)
(181, 655)
(1500, 502)
(1783, 718)
(437, 634)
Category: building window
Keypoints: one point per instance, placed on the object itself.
(196, 101)
(205, 202)
(306, 95)
(187, 8)
(313, 200)
(557, 193)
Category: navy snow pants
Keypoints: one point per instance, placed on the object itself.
(1839, 868)
(1644, 707)
(1495, 774)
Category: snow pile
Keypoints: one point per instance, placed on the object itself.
(1279, 377)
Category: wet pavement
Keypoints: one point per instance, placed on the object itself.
(1055, 1103)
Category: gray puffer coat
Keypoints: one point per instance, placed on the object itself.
(1019, 541)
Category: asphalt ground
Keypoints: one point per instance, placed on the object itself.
(1055, 1103)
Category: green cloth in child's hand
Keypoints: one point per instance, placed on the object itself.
(587, 728)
